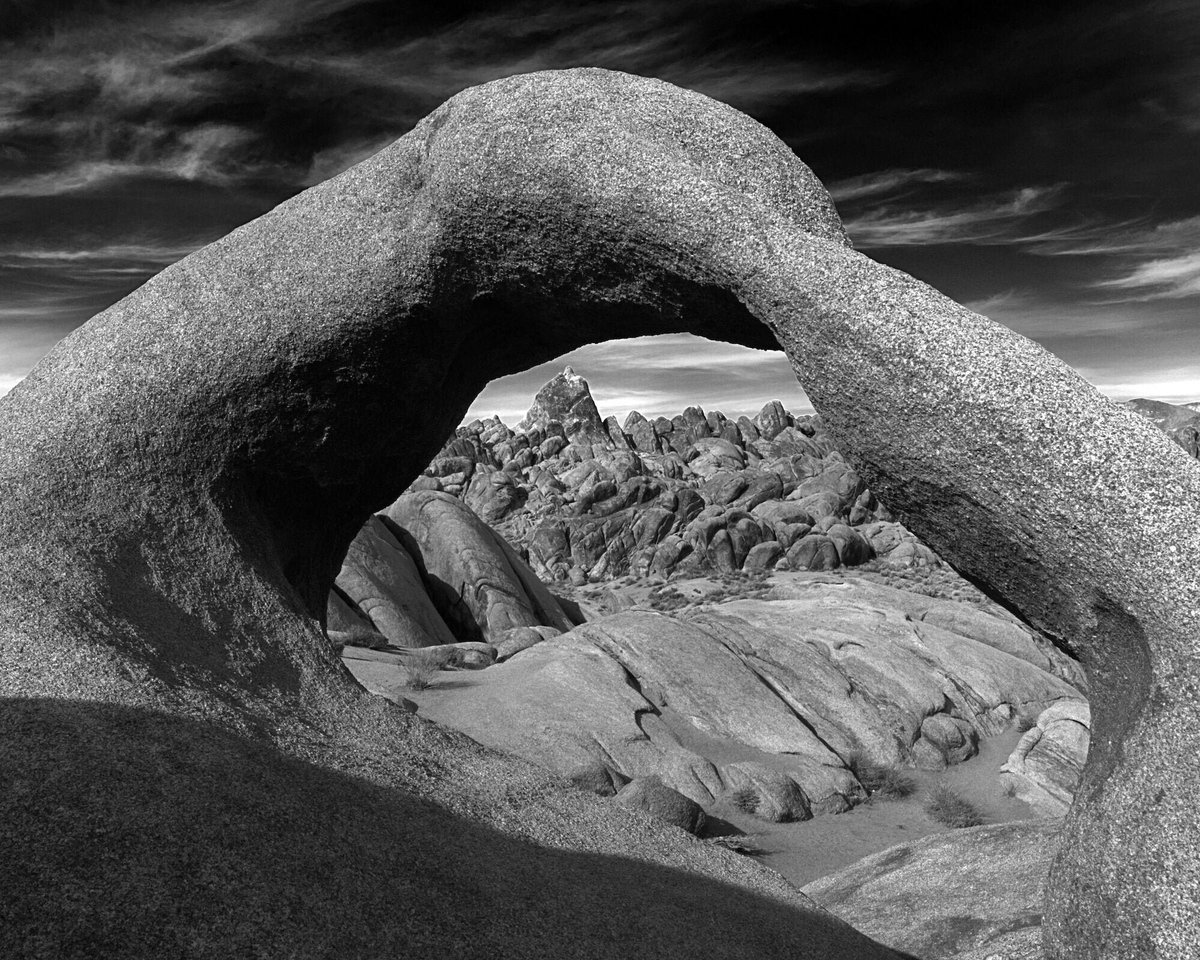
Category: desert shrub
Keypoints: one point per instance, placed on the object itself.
(945, 805)
(745, 799)
(738, 844)
(418, 673)
(881, 782)
(665, 598)
(1025, 721)
(360, 635)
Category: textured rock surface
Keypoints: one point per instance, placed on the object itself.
(774, 696)
(652, 796)
(694, 493)
(180, 478)
(381, 579)
(480, 586)
(1045, 766)
(970, 893)
(567, 401)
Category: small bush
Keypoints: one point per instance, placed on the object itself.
(880, 782)
(1025, 721)
(745, 799)
(418, 673)
(665, 599)
(743, 845)
(946, 806)
(360, 635)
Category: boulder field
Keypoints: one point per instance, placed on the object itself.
(586, 499)
(190, 770)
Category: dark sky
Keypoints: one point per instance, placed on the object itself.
(1035, 160)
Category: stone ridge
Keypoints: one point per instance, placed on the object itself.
(180, 478)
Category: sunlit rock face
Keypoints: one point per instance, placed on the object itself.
(180, 478)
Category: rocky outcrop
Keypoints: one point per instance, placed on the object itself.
(564, 407)
(693, 494)
(653, 797)
(776, 697)
(1045, 766)
(968, 895)
(180, 478)
(381, 580)
(481, 588)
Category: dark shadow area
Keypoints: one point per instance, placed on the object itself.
(210, 845)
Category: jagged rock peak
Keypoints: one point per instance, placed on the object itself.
(567, 399)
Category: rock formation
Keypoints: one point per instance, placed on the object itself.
(180, 478)
(691, 494)
(775, 696)
(1045, 766)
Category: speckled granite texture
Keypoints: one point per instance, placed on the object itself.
(180, 477)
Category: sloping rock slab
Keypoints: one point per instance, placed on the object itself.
(972, 892)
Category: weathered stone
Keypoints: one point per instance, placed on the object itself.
(382, 580)
(652, 796)
(479, 585)
(567, 400)
(179, 478)
(1045, 766)
(763, 556)
(813, 551)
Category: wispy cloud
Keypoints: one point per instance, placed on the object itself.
(299, 90)
(131, 253)
(998, 219)
(889, 182)
(1151, 262)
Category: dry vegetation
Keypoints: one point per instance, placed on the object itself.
(363, 636)
(417, 672)
(881, 782)
(945, 805)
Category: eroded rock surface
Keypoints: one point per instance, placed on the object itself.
(1045, 766)
(774, 697)
(966, 895)
(180, 478)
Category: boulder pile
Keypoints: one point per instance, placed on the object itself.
(591, 499)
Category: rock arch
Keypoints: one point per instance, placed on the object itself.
(179, 477)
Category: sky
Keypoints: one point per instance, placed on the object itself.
(1034, 159)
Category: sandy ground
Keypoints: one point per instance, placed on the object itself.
(806, 851)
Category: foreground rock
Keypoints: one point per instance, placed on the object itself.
(968, 895)
(179, 480)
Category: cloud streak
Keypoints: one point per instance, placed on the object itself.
(993, 220)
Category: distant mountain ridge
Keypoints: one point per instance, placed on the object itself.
(1181, 422)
